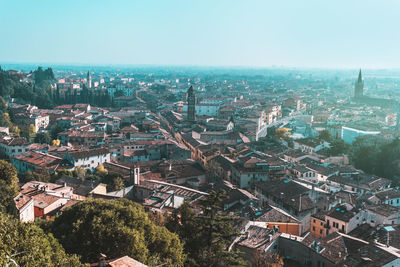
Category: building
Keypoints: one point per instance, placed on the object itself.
(390, 197)
(359, 87)
(88, 159)
(274, 217)
(310, 145)
(31, 160)
(343, 219)
(290, 196)
(318, 225)
(257, 240)
(349, 134)
(25, 207)
(40, 121)
(337, 249)
(11, 147)
(89, 80)
(382, 214)
(47, 198)
(90, 139)
(191, 99)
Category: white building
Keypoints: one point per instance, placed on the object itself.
(89, 159)
(349, 134)
(25, 207)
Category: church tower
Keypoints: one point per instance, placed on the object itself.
(191, 99)
(359, 87)
(89, 80)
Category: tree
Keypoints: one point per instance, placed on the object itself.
(365, 158)
(62, 172)
(338, 147)
(79, 172)
(115, 228)
(8, 187)
(116, 184)
(39, 174)
(263, 259)
(15, 130)
(3, 105)
(28, 132)
(42, 138)
(325, 135)
(24, 244)
(282, 133)
(55, 142)
(119, 93)
(55, 130)
(206, 236)
(5, 120)
(101, 170)
(214, 171)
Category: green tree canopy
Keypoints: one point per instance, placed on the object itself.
(206, 236)
(3, 105)
(8, 186)
(42, 138)
(27, 245)
(5, 120)
(325, 135)
(39, 174)
(338, 147)
(116, 228)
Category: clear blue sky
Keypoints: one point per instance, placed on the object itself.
(300, 33)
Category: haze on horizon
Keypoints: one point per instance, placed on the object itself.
(337, 34)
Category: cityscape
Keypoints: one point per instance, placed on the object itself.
(107, 162)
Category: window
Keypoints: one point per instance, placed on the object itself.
(313, 228)
(320, 231)
(343, 228)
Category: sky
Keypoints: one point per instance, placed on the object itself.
(251, 33)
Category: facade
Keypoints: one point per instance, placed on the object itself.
(318, 225)
(25, 207)
(340, 219)
(11, 147)
(89, 159)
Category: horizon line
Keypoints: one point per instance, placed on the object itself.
(274, 66)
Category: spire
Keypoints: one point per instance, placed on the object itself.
(359, 76)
